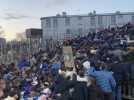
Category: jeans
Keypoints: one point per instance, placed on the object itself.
(108, 96)
(118, 94)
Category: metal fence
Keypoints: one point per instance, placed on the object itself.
(12, 51)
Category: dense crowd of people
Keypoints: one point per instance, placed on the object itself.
(103, 70)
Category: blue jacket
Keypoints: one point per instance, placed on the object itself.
(56, 66)
(104, 79)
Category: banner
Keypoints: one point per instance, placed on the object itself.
(68, 56)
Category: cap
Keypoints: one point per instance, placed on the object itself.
(86, 64)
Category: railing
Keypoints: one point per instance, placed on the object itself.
(128, 91)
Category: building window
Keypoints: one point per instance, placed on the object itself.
(92, 30)
(48, 22)
(92, 18)
(113, 20)
(55, 22)
(67, 21)
(68, 31)
(80, 31)
(100, 22)
(67, 35)
(79, 17)
(132, 19)
(120, 16)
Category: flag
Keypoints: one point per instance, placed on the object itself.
(36, 98)
(68, 56)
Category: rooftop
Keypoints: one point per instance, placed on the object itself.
(63, 15)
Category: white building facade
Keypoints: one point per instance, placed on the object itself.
(64, 26)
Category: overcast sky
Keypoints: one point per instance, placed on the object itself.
(17, 15)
